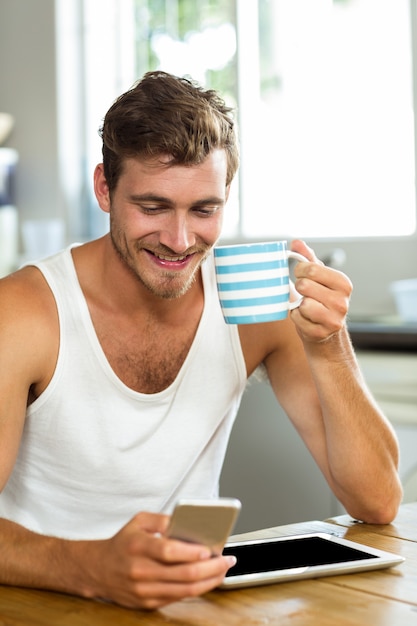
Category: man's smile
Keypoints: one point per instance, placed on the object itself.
(164, 257)
(170, 260)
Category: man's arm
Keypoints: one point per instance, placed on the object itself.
(320, 386)
(29, 338)
(137, 568)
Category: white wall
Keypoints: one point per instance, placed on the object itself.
(372, 265)
(28, 92)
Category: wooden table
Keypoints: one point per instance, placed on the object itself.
(379, 598)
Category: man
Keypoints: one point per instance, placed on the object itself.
(120, 380)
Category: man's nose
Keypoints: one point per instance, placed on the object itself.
(177, 234)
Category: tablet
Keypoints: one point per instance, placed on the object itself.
(280, 559)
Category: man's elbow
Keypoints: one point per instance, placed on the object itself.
(385, 510)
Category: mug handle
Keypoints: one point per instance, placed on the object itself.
(297, 257)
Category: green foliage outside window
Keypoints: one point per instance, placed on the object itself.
(177, 22)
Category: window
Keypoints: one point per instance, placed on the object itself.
(324, 93)
(334, 118)
(325, 101)
(196, 39)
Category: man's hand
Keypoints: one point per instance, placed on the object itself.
(326, 293)
(141, 568)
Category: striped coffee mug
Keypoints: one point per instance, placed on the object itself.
(253, 281)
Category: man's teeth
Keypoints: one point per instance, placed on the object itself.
(170, 258)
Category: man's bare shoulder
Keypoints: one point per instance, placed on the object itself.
(25, 295)
(29, 327)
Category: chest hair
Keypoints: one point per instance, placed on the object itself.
(146, 359)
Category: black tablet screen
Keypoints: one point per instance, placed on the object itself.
(297, 552)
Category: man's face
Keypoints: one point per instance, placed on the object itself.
(165, 219)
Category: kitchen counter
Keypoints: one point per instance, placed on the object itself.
(383, 334)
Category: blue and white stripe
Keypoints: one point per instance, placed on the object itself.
(253, 282)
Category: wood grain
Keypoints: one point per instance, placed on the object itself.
(379, 598)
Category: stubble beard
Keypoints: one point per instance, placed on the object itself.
(168, 288)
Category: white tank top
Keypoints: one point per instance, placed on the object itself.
(94, 452)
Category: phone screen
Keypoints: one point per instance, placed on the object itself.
(298, 552)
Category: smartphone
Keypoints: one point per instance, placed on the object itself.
(209, 522)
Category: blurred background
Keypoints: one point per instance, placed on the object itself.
(325, 95)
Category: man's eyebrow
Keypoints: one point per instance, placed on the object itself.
(210, 200)
(151, 197)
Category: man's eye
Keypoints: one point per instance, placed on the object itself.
(206, 211)
(151, 208)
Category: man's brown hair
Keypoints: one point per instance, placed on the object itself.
(163, 114)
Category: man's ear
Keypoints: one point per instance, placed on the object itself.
(101, 188)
